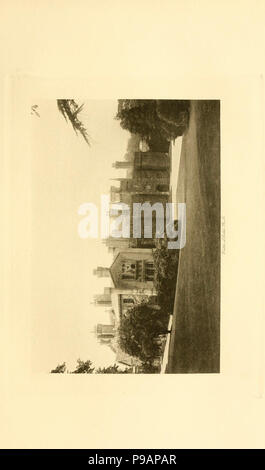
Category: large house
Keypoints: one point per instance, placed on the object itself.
(149, 182)
(132, 269)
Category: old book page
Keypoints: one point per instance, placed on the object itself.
(72, 76)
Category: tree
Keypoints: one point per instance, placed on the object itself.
(60, 369)
(86, 367)
(112, 370)
(174, 113)
(83, 367)
(138, 116)
(148, 367)
(140, 329)
(160, 119)
(70, 111)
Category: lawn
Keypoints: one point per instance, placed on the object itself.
(195, 338)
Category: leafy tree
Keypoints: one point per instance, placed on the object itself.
(148, 367)
(138, 116)
(70, 111)
(139, 331)
(160, 119)
(84, 367)
(173, 112)
(112, 370)
(60, 369)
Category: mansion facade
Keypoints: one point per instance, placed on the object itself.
(131, 273)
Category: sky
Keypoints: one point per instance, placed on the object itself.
(66, 173)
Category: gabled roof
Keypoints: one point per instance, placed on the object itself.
(111, 267)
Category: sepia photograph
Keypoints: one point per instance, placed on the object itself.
(132, 183)
(126, 236)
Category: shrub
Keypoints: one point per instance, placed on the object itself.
(166, 271)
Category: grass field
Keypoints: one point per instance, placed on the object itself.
(195, 338)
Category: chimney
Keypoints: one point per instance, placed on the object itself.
(101, 271)
(123, 164)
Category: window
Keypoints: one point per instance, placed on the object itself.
(128, 270)
(140, 271)
(128, 301)
(127, 304)
(149, 271)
